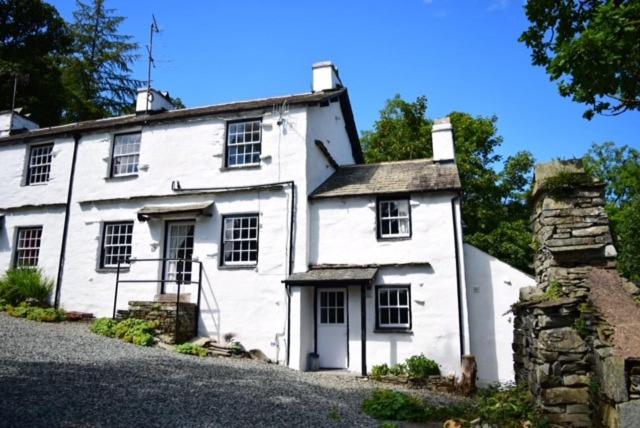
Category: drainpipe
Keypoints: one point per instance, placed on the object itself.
(65, 230)
(462, 300)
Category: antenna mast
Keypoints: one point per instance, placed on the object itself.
(154, 29)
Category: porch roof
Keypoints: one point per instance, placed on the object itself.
(201, 208)
(357, 275)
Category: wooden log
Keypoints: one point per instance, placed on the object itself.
(467, 385)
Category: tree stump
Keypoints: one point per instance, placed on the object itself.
(467, 385)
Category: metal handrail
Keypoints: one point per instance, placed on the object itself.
(162, 281)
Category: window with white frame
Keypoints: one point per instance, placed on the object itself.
(39, 163)
(394, 220)
(393, 307)
(28, 246)
(116, 244)
(240, 240)
(244, 142)
(126, 154)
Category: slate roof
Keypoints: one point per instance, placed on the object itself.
(173, 115)
(422, 175)
(355, 274)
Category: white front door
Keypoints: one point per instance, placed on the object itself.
(332, 327)
(178, 252)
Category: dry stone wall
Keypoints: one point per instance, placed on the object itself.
(164, 313)
(562, 345)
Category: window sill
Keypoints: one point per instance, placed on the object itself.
(36, 184)
(238, 267)
(394, 238)
(112, 270)
(250, 166)
(122, 177)
(393, 330)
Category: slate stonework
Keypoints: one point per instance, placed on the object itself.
(165, 314)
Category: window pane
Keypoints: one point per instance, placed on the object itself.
(126, 154)
(244, 143)
(240, 239)
(28, 246)
(394, 307)
(340, 316)
(117, 241)
(40, 158)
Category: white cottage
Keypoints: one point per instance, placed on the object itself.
(263, 214)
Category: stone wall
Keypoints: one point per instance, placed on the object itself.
(164, 313)
(562, 343)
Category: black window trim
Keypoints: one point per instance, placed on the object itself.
(14, 261)
(226, 143)
(101, 264)
(112, 152)
(221, 263)
(392, 329)
(394, 197)
(31, 147)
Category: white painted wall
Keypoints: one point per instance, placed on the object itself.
(492, 287)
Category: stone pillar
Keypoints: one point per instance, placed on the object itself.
(570, 227)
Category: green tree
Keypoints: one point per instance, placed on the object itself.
(98, 74)
(591, 48)
(619, 168)
(495, 209)
(33, 40)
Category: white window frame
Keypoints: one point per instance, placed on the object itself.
(21, 246)
(395, 289)
(108, 232)
(134, 155)
(399, 218)
(230, 242)
(251, 148)
(43, 154)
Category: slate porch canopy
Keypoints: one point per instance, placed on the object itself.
(159, 211)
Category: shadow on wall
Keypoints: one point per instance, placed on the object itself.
(209, 308)
(392, 340)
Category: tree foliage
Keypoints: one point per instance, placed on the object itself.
(98, 74)
(495, 210)
(619, 168)
(591, 48)
(33, 40)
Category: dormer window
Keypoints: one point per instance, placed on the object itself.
(125, 155)
(244, 143)
(39, 163)
(394, 218)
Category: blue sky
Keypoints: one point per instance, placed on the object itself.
(463, 55)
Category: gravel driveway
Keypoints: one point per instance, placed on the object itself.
(63, 375)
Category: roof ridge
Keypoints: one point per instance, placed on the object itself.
(421, 160)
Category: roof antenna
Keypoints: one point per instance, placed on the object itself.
(13, 102)
(154, 29)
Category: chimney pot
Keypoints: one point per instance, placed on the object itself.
(442, 140)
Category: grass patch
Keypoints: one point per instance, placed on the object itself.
(25, 284)
(504, 406)
(35, 313)
(192, 349)
(132, 330)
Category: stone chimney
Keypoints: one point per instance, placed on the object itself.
(325, 76)
(570, 226)
(442, 140)
(12, 122)
(153, 101)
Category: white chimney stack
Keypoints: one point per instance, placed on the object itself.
(153, 101)
(13, 122)
(325, 76)
(442, 140)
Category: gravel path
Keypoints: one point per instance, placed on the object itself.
(63, 375)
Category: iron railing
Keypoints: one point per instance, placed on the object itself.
(179, 281)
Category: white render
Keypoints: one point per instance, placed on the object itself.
(11, 122)
(178, 154)
(442, 140)
(492, 287)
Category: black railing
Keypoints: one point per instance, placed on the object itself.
(179, 281)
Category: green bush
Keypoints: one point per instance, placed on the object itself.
(192, 349)
(421, 367)
(392, 405)
(132, 330)
(378, 371)
(35, 313)
(104, 327)
(20, 284)
(508, 406)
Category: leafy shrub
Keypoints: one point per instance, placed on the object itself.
(398, 370)
(35, 313)
(378, 371)
(392, 405)
(192, 349)
(132, 330)
(104, 327)
(508, 406)
(20, 284)
(421, 367)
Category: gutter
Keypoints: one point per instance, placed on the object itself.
(65, 230)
